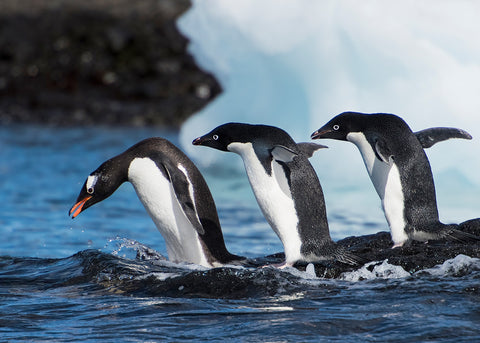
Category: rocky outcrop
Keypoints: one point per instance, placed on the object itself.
(68, 62)
(412, 257)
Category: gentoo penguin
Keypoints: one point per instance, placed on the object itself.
(173, 192)
(399, 170)
(286, 188)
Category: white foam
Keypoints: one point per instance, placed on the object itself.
(382, 270)
(456, 266)
(310, 270)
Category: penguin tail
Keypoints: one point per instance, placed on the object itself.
(471, 226)
(347, 257)
(461, 236)
(461, 233)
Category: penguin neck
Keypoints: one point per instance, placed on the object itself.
(387, 182)
(156, 193)
(378, 171)
(273, 197)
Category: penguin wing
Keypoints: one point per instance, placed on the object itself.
(308, 149)
(383, 151)
(431, 136)
(183, 189)
(281, 153)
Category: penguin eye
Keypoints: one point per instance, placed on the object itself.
(90, 190)
(215, 137)
(336, 127)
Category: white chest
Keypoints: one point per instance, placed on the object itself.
(274, 198)
(386, 180)
(158, 197)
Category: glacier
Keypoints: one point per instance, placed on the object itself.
(297, 63)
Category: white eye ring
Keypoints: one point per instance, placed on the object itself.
(336, 127)
(215, 137)
(90, 190)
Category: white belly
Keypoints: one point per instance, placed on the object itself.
(158, 197)
(274, 198)
(386, 180)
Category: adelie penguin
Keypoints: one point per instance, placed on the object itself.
(173, 192)
(400, 171)
(286, 188)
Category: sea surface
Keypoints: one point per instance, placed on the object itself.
(104, 275)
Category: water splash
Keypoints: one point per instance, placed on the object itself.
(130, 248)
(461, 265)
(376, 270)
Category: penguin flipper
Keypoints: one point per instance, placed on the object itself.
(308, 149)
(283, 154)
(383, 151)
(184, 194)
(431, 136)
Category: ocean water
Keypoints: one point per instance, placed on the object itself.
(104, 276)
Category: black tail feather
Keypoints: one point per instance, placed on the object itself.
(461, 236)
(347, 257)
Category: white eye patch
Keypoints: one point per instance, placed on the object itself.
(91, 181)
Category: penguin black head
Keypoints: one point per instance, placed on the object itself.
(221, 137)
(224, 135)
(340, 126)
(99, 185)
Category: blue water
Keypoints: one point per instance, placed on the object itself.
(81, 280)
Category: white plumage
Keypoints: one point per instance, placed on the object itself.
(157, 195)
(386, 180)
(274, 198)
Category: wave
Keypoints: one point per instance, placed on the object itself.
(150, 275)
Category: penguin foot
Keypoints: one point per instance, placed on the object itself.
(279, 265)
(398, 245)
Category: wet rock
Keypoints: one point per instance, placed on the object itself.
(120, 62)
(412, 257)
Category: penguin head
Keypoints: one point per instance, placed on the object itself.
(99, 185)
(222, 136)
(340, 126)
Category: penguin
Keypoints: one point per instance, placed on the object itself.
(285, 186)
(399, 170)
(174, 193)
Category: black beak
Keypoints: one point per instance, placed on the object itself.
(198, 141)
(319, 133)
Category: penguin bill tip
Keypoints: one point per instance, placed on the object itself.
(78, 207)
(197, 141)
(319, 134)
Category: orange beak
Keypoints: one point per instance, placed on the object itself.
(77, 208)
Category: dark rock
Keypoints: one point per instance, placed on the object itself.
(121, 62)
(149, 276)
(413, 256)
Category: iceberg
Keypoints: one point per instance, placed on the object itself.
(297, 63)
